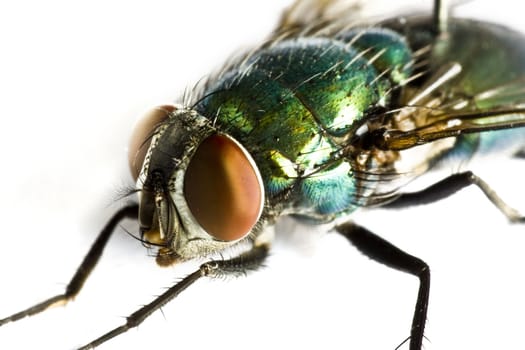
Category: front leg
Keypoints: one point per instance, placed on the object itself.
(385, 253)
(241, 264)
(83, 271)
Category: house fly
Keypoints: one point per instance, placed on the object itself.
(412, 77)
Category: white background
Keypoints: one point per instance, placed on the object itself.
(74, 78)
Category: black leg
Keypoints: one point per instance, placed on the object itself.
(83, 271)
(385, 253)
(448, 187)
(520, 154)
(215, 268)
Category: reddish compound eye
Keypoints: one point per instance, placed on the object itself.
(141, 137)
(222, 189)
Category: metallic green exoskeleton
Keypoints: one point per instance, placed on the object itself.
(336, 115)
(333, 113)
(297, 104)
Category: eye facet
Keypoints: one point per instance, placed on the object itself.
(141, 137)
(223, 189)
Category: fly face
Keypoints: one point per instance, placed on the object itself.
(200, 191)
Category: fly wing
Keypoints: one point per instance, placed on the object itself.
(305, 14)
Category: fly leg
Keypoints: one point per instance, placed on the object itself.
(83, 271)
(239, 265)
(520, 154)
(450, 185)
(385, 253)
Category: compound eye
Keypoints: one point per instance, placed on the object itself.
(222, 188)
(141, 137)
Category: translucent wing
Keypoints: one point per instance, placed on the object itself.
(304, 14)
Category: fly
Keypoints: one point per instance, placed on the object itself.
(331, 115)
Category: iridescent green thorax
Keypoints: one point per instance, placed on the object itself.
(292, 103)
(388, 50)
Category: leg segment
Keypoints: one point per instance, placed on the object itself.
(385, 253)
(83, 271)
(215, 268)
(448, 187)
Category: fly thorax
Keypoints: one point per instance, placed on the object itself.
(200, 190)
